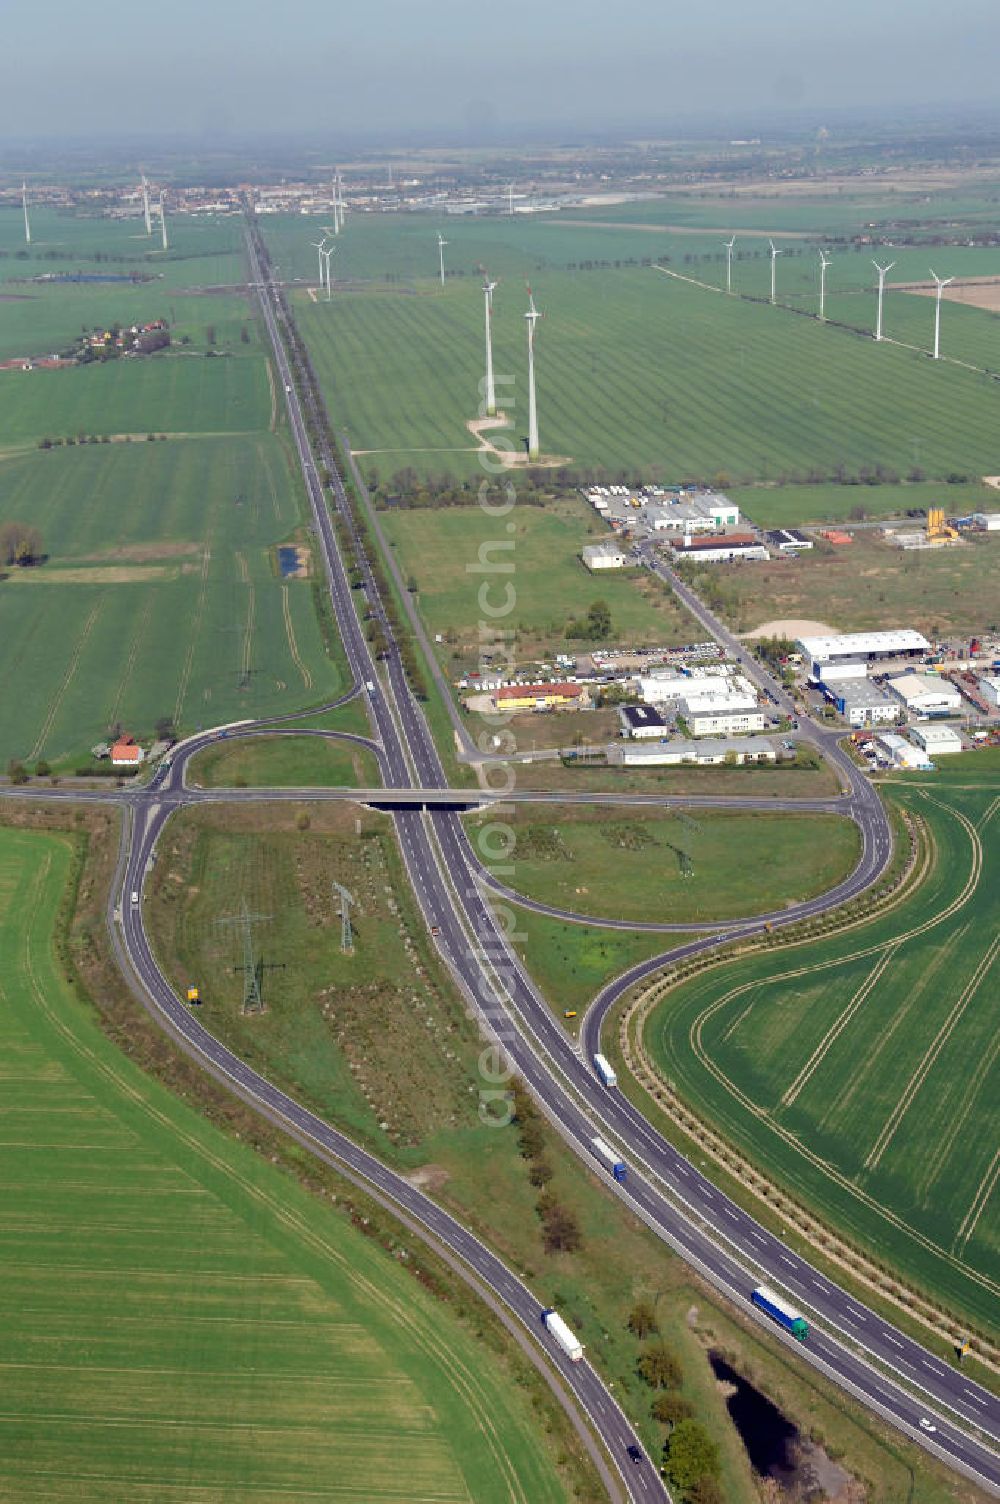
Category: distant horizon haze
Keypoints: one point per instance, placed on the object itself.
(462, 74)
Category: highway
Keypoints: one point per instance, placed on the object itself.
(473, 943)
(853, 1345)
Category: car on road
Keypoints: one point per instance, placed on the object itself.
(135, 898)
(927, 1425)
(635, 1453)
(435, 929)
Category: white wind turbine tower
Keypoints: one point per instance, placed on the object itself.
(532, 317)
(24, 205)
(163, 225)
(942, 283)
(327, 254)
(775, 253)
(729, 262)
(510, 199)
(319, 247)
(338, 211)
(491, 399)
(441, 245)
(145, 205)
(882, 270)
(824, 262)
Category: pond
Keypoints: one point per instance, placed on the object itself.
(771, 1440)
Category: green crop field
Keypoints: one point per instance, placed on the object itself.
(160, 596)
(636, 369)
(441, 550)
(180, 1320)
(796, 505)
(862, 1070)
(41, 317)
(678, 869)
(176, 393)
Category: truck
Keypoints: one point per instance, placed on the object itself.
(605, 1070)
(766, 1300)
(566, 1339)
(607, 1154)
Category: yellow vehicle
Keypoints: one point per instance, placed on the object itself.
(570, 1013)
(193, 996)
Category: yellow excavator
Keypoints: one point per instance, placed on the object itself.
(938, 531)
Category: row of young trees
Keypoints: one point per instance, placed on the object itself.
(690, 1456)
(560, 1228)
(360, 553)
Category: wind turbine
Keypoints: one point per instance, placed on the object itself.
(145, 205)
(532, 317)
(319, 246)
(729, 262)
(942, 283)
(441, 245)
(510, 199)
(775, 253)
(824, 262)
(882, 270)
(338, 208)
(163, 225)
(327, 254)
(488, 290)
(24, 205)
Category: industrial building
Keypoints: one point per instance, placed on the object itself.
(642, 722)
(604, 556)
(719, 548)
(863, 703)
(926, 694)
(788, 540)
(849, 654)
(989, 688)
(664, 509)
(692, 512)
(540, 696)
(901, 753)
(701, 753)
(937, 741)
(988, 521)
(712, 704)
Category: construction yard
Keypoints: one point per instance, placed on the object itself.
(866, 586)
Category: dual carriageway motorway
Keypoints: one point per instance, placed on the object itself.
(880, 1365)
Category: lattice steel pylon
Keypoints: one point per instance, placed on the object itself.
(684, 857)
(346, 933)
(253, 966)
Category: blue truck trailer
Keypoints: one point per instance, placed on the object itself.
(779, 1310)
(613, 1161)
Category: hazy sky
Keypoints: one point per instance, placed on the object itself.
(457, 66)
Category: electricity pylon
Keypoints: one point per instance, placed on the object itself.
(346, 933)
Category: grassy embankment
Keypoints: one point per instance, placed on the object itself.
(284, 762)
(681, 868)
